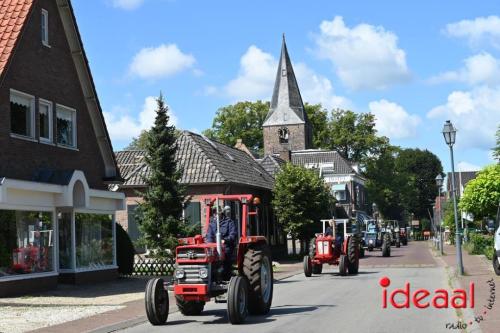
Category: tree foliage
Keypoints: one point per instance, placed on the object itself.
(482, 194)
(159, 216)
(318, 117)
(242, 120)
(354, 135)
(139, 143)
(301, 199)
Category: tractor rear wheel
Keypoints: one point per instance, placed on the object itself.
(257, 267)
(317, 269)
(156, 299)
(189, 308)
(405, 241)
(343, 265)
(353, 255)
(386, 246)
(496, 264)
(237, 299)
(398, 241)
(307, 266)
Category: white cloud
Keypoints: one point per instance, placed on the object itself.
(364, 56)
(478, 69)
(466, 166)
(393, 121)
(257, 74)
(162, 61)
(123, 127)
(127, 4)
(475, 113)
(476, 31)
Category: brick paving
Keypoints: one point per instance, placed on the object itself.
(414, 255)
(478, 270)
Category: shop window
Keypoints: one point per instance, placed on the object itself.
(22, 110)
(133, 228)
(65, 247)
(66, 126)
(94, 240)
(26, 242)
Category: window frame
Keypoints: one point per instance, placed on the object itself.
(32, 99)
(44, 27)
(74, 119)
(50, 105)
(342, 195)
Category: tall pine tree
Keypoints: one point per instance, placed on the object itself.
(160, 215)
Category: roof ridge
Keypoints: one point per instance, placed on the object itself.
(202, 152)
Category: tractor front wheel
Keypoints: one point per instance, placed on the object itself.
(156, 298)
(343, 265)
(405, 241)
(307, 266)
(496, 264)
(257, 267)
(317, 269)
(189, 308)
(386, 246)
(353, 255)
(237, 300)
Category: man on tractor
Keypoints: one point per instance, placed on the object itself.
(228, 234)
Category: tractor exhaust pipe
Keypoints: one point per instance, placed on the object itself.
(217, 235)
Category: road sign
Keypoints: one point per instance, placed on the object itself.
(415, 222)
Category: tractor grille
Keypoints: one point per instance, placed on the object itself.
(192, 274)
(191, 253)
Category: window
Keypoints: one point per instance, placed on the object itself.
(283, 135)
(26, 242)
(340, 195)
(94, 240)
(22, 108)
(45, 27)
(66, 126)
(45, 120)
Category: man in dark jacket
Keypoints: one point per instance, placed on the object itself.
(228, 234)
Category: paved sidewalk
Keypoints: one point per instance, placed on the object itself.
(478, 270)
(132, 313)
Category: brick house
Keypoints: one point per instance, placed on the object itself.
(209, 167)
(56, 158)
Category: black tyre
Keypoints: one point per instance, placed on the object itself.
(386, 246)
(189, 308)
(398, 241)
(370, 248)
(307, 266)
(404, 241)
(496, 264)
(343, 265)
(257, 267)
(317, 269)
(353, 255)
(156, 299)
(237, 300)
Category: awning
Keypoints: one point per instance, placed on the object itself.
(338, 187)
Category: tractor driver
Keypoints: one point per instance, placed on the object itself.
(228, 233)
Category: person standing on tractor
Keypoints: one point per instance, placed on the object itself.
(228, 233)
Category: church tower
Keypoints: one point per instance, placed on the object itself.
(286, 127)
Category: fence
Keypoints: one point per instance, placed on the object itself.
(153, 267)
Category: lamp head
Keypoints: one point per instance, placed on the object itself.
(449, 133)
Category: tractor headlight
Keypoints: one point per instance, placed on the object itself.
(179, 274)
(370, 241)
(203, 273)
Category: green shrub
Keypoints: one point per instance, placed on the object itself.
(480, 244)
(125, 251)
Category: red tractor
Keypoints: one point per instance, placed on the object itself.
(340, 246)
(198, 273)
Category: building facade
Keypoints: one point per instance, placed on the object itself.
(56, 158)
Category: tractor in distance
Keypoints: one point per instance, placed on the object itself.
(199, 271)
(338, 247)
(377, 238)
(392, 226)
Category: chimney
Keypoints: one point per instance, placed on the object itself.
(286, 155)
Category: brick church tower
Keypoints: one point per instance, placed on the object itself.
(286, 127)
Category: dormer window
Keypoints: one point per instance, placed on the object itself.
(45, 27)
(283, 135)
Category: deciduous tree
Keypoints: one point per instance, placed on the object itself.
(482, 194)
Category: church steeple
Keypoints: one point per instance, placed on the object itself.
(286, 127)
(286, 105)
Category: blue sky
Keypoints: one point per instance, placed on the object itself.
(413, 64)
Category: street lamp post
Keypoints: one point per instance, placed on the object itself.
(439, 183)
(449, 133)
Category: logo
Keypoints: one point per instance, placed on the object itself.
(422, 298)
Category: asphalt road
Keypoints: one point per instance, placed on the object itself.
(330, 303)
